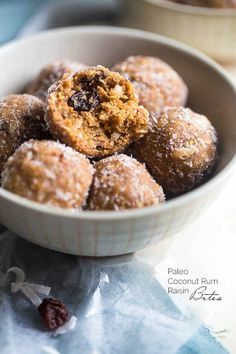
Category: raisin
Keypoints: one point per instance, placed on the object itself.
(53, 313)
(4, 127)
(87, 98)
(84, 100)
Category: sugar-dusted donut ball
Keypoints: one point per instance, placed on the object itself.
(121, 182)
(157, 85)
(179, 150)
(48, 172)
(50, 74)
(21, 118)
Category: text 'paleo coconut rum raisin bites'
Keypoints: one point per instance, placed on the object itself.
(50, 74)
(49, 172)
(96, 112)
(21, 118)
(179, 150)
(121, 182)
(155, 82)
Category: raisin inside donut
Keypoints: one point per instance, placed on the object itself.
(96, 112)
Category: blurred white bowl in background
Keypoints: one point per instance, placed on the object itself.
(210, 30)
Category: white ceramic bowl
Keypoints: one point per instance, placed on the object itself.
(113, 233)
(210, 30)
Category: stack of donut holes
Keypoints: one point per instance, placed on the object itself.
(94, 138)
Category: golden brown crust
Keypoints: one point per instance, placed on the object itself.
(21, 118)
(50, 74)
(156, 83)
(179, 150)
(50, 173)
(96, 112)
(121, 182)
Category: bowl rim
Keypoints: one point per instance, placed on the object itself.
(193, 10)
(130, 213)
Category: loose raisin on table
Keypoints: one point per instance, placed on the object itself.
(53, 313)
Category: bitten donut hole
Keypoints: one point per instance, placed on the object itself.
(96, 112)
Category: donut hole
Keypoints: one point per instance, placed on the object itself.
(96, 112)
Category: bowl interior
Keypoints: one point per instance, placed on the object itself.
(211, 92)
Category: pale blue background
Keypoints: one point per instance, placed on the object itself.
(23, 17)
(13, 15)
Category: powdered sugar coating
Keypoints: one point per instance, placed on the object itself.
(21, 118)
(179, 150)
(157, 85)
(121, 182)
(52, 73)
(50, 173)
